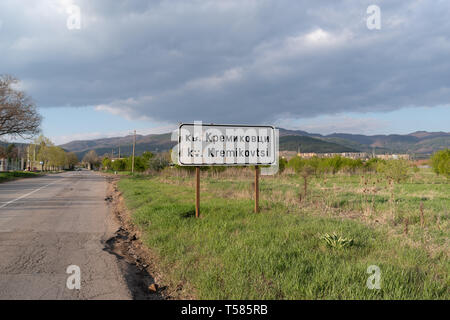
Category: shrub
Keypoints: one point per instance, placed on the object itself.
(372, 164)
(119, 164)
(282, 163)
(296, 163)
(396, 170)
(157, 163)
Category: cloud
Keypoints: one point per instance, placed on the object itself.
(337, 124)
(229, 61)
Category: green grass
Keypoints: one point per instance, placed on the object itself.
(233, 253)
(8, 176)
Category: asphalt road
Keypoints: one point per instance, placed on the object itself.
(50, 223)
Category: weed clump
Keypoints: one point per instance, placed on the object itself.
(336, 241)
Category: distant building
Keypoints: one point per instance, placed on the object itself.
(352, 155)
(12, 164)
(306, 155)
(393, 156)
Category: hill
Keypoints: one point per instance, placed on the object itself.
(420, 142)
(309, 144)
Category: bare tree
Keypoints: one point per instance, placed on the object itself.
(18, 114)
(91, 159)
(72, 159)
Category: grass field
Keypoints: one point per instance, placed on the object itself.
(233, 253)
(8, 176)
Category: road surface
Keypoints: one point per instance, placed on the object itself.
(50, 223)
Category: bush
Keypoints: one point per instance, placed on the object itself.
(296, 163)
(140, 163)
(372, 164)
(157, 163)
(119, 164)
(282, 163)
(396, 170)
(335, 163)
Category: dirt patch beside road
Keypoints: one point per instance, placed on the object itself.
(145, 278)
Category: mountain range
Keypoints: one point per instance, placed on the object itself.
(420, 143)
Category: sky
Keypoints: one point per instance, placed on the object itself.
(100, 68)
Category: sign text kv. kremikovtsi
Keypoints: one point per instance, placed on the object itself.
(206, 145)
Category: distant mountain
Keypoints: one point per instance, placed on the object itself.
(420, 142)
(412, 143)
(152, 142)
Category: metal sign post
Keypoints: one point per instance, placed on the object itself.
(256, 189)
(197, 192)
(226, 145)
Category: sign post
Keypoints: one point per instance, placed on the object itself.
(256, 189)
(226, 145)
(197, 192)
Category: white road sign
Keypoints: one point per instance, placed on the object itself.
(208, 145)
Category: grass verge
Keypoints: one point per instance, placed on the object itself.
(13, 175)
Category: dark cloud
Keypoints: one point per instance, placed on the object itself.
(229, 61)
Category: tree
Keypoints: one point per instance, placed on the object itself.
(120, 164)
(18, 114)
(57, 158)
(106, 163)
(306, 172)
(91, 159)
(147, 155)
(159, 162)
(72, 160)
(440, 162)
(44, 152)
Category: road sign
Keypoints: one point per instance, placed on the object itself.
(226, 145)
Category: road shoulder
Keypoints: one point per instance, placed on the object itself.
(127, 244)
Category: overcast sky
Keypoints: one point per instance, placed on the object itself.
(310, 65)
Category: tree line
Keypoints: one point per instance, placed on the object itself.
(148, 161)
(49, 157)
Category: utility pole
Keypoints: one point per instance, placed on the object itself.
(119, 149)
(134, 146)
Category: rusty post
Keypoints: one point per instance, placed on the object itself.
(197, 192)
(256, 189)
